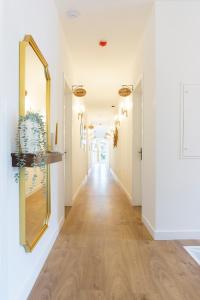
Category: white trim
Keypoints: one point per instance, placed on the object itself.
(194, 252)
(79, 188)
(177, 235)
(161, 234)
(122, 186)
(148, 226)
(27, 287)
(182, 154)
(139, 81)
(67, 140)
(136, 203)
(168, 235)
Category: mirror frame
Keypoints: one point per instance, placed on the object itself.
(29, 41)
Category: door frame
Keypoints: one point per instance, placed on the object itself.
(67, 141)
(140, 81)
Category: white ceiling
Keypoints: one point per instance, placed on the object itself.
(101, 116)
(103, 70)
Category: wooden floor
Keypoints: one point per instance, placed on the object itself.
(105, 252)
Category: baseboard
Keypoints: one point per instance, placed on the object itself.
(135, 202)
(177, 235)
(122, 186)
(160, 234)
(79, 188)
(148, 226)
(167, 235)
(194, 252)
(38, 267)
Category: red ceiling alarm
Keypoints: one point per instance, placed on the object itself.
(103, 43)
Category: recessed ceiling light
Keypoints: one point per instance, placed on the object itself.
(73, 14)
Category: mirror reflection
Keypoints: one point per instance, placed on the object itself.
(36, 196)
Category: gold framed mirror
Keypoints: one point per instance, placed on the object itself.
(34, 96)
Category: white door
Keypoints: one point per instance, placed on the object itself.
(67, 109)
(137, 145)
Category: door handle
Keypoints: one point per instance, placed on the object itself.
(140, 152)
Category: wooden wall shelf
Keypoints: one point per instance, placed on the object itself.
(30, 158)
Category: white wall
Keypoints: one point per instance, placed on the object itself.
(121, 156)
(168, 55)
(144, 71)
(3, 183)
(79, 155)
(41, 20)
(147, 73)
(177, 60)
(67, 138)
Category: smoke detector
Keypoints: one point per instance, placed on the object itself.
(103, 43)
(73, 14)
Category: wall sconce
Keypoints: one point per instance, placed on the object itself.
(109, 134)
(124, 107)
(79, 91)
(91, 127)
(80, 109)
(117, 120)
(81, 112)
(125, 91)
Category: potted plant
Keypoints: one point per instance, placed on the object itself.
(31, 139)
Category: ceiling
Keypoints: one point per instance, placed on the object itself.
(103, 70)
(101, 116)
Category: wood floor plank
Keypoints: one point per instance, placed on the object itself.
(104, 252)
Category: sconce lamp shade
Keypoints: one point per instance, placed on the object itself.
(79, 92)
(125, 91)
(91, 126)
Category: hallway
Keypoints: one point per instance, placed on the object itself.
(105, 252)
